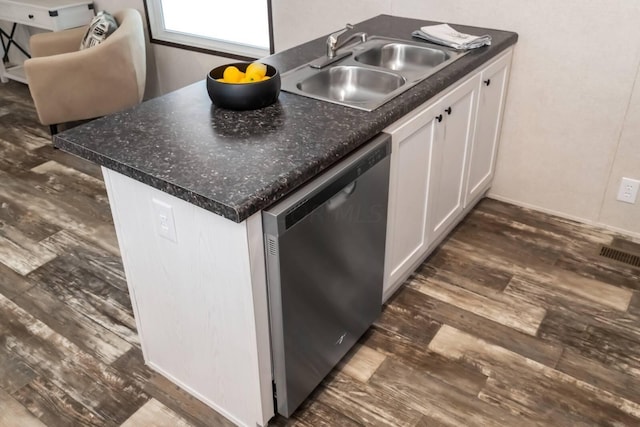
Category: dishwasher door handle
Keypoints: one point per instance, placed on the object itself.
(336, 201)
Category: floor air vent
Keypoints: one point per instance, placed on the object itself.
(620, 256)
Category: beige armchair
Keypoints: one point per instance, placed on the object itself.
(68, 84)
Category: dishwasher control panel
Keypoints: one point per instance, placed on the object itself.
(306, 199)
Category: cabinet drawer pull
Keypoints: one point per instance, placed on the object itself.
(30, 16)
(439, 118)
(487, 82)
(448, 110)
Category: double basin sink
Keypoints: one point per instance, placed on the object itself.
(370, 73)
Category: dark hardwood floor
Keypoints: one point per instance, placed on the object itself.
(514, 321)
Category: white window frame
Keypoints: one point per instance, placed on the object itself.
(229, 49)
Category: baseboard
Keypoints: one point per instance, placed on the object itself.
(626, 233)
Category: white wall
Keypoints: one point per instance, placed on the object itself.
(571, 86)
(625, 164)
(296, 21)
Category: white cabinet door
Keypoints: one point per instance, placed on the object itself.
(453, 134)
(407, 233)
(482, 156)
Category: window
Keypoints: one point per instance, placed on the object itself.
(227, 28)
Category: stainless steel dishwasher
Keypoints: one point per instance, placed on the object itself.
(325, 260)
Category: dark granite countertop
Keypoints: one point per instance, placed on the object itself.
(235, 163)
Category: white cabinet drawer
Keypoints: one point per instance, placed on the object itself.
(28, 15)
(47, 15)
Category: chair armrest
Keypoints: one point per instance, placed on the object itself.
(54, 43)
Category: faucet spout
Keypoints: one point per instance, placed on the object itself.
(334, 43)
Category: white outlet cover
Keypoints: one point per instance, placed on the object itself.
(163, 220)
(628, 191)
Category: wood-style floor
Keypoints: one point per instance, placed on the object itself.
(515, 321)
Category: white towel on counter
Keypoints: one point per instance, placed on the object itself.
(445, 35)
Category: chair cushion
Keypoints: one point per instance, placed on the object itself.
(101, 27)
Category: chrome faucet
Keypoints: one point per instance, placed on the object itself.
(334, 43)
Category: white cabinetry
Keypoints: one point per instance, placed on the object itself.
(199, 298)
(482, 156)
(442, 162)
(407, 229)
(453, 132)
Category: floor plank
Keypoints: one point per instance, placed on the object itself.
(600, 375)
(81, 330)
(54, 407)
(26, 221)
(361, 362)
(610, 344)
(154, 413)
(516, 314)
(602, 269)
(12, 283)
(461, 375)
(365, 404)
(316, 414)
(13, 414)
(412, 301)
(70, 280)
(14, 373)
(20, 253)
(78, 375)
(431, 397)
(533, 389)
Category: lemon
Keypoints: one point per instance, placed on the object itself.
(256, 71)
(252, 77)
(231, 74)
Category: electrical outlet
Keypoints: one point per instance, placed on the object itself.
(628, 190)
(165, 224)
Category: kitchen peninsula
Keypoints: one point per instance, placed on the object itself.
(187, 183)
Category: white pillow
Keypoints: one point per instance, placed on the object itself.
(101, 27)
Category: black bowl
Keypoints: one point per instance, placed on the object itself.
(243, 96)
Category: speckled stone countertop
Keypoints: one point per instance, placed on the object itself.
(236, 163)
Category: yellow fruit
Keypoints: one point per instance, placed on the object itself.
(221, 80)
(232, 74)
(256, 70)
(265, 78)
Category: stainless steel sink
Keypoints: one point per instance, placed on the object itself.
(372, 73)
(351, 84)
(402, 56)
